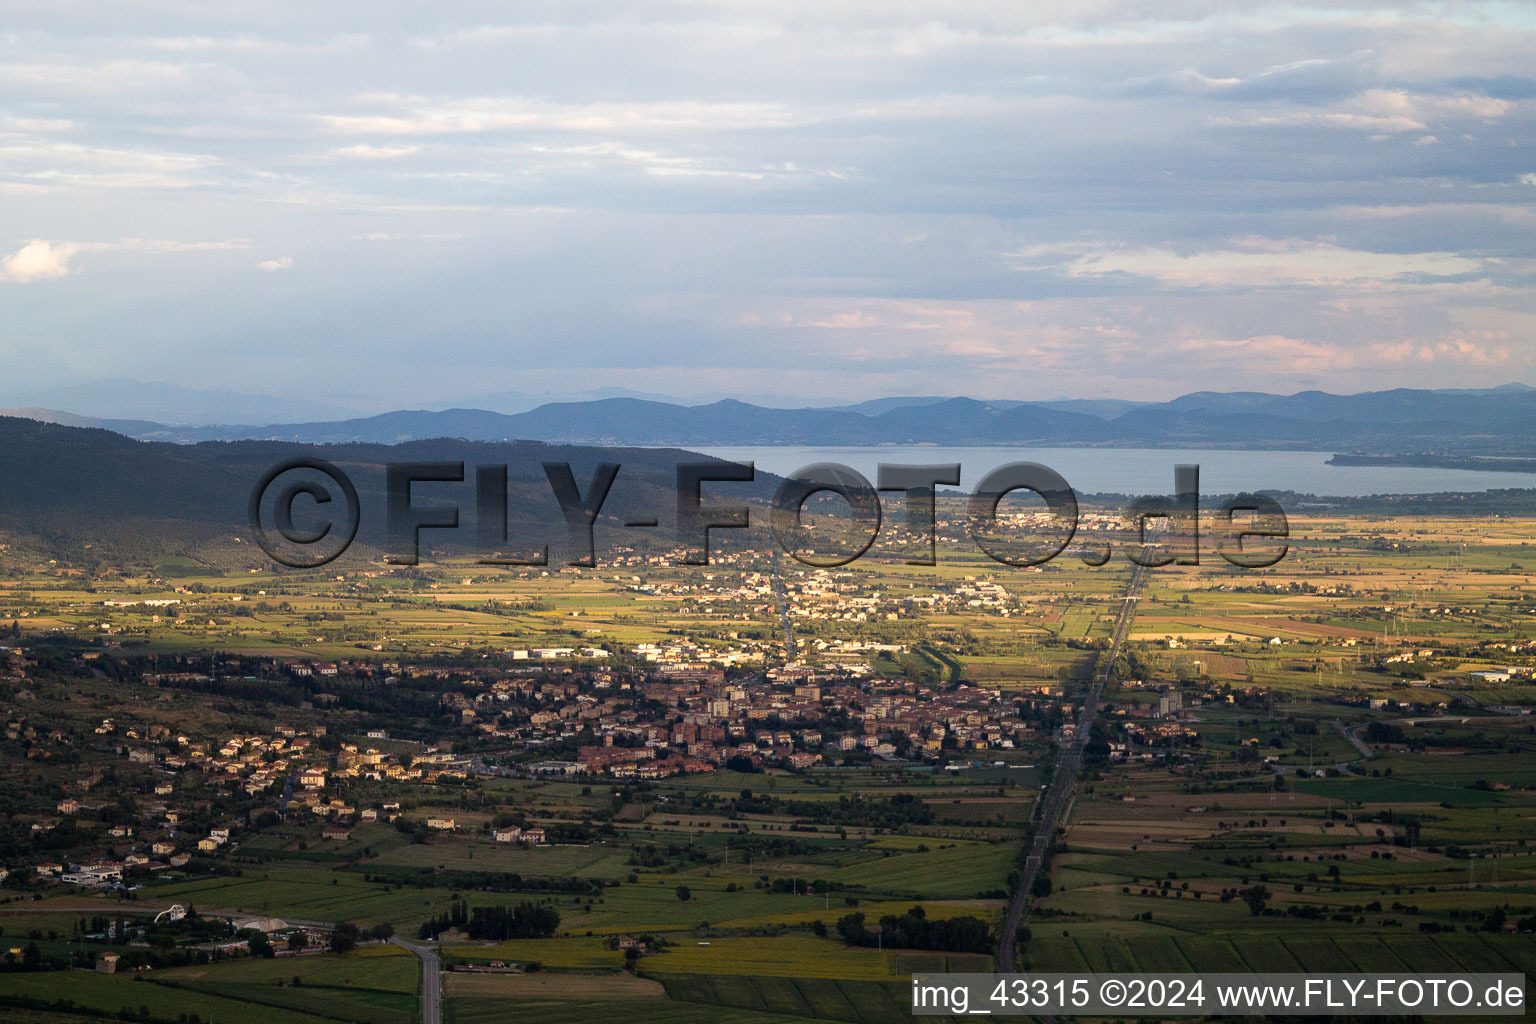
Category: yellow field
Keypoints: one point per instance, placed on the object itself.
(787, 956)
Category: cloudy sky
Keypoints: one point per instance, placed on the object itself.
(379, 205)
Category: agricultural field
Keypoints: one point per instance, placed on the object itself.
(296, 990)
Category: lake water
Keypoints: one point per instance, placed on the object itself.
(1146, 470)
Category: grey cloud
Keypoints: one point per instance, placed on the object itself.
(466, 191)
(1504, 87)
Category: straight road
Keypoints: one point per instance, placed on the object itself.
(1062, 782)
(431, 996)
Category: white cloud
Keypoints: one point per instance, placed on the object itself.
(281, 263)
(45, 160)
(35, 124)
(173, 245)
(371, 152)
(1259, 263)
(1298, 355)
(472, 115)
(38, 261)
(1324, 119)
(1459, 349)
(41, 260)
(1381, 110)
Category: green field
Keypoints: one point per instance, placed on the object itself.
(963, 870)
(483, 855)
(307, 893)
(373, 984)
(862, 1002)
(787, 956)
(103, 996)
(473, 1010)
(584, 953)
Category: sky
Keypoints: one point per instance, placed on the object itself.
(351, 207)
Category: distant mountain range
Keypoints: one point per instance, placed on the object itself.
(74, 490)
(1494, 421)
(125, 398)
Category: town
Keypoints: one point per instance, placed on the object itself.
(640, 776)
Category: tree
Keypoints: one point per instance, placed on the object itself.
(526, 920)
(344, 938)
(684, 893)
(851, 928)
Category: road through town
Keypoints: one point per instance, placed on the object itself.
(1062, 783)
